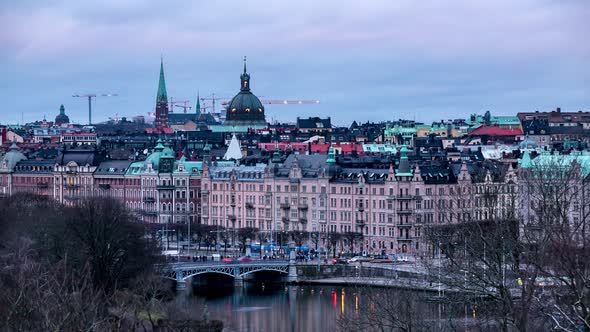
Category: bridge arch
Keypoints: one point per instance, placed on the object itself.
(280, 269)
(187, 276)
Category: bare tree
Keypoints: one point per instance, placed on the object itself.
(351, 238)
(244, 234)
(386, 309)
(477, 249)
(556, 216)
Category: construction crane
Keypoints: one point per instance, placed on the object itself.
(214, 99)
(280, 102)
(90, 96)
(179, 103)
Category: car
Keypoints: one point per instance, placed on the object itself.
(245, 259)
(359, 259)
(227, 260)
(402, 259)
(381, 260)
(339, 260)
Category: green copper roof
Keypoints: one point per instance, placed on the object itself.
(331, 158)
(404, 152)
(397, 130)
(387, 147)
(162, 95)
(159, 145)
(547, 160)
(276, 158)
(62, 110)
(525, 161)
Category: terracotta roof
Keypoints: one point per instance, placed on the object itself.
(495, 131)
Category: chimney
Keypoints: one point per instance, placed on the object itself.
(558, 109)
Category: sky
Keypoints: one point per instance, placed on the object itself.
(426, 60)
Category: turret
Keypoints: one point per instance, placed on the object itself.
(331, 157)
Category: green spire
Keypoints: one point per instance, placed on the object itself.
(331, 158)
(403, 152)
(62, 110)
(162, 95)
(276, 158)
(198, 105)
(525, 161)
(159, 145)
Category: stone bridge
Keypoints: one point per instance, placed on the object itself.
(181, 272)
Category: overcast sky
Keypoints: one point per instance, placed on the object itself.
(364, 60)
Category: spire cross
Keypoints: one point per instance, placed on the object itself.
(244, 64)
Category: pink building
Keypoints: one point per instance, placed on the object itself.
(390, 207)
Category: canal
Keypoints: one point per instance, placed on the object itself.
(259, 307)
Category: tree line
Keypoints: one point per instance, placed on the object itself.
(86, 266)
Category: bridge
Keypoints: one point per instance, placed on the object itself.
(182, 272)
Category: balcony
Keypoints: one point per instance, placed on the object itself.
(249, 205)
(149, 199)
(404, 225)
(390, 197)
(303, 220)
(285, 220)
(165, 187)
(71, 186)
(42, 185)
(285, 206)
(405, 197)
(150, 213)
(405, 211)
(361, 208)
(403, 238)
(232, 217)
(303, 206)
(204, 192)
(104, 186)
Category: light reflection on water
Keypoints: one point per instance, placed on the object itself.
(278, 307)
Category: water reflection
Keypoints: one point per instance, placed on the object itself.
(275, 307)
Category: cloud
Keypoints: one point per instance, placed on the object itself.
(376, 59)
(434, 28)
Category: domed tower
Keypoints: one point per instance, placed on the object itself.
(62, 118)
(245, 109)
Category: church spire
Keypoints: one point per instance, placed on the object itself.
(198, 105)
(245, 78)
(162, 95)
(161, 100)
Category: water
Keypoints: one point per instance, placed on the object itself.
(256, 307)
